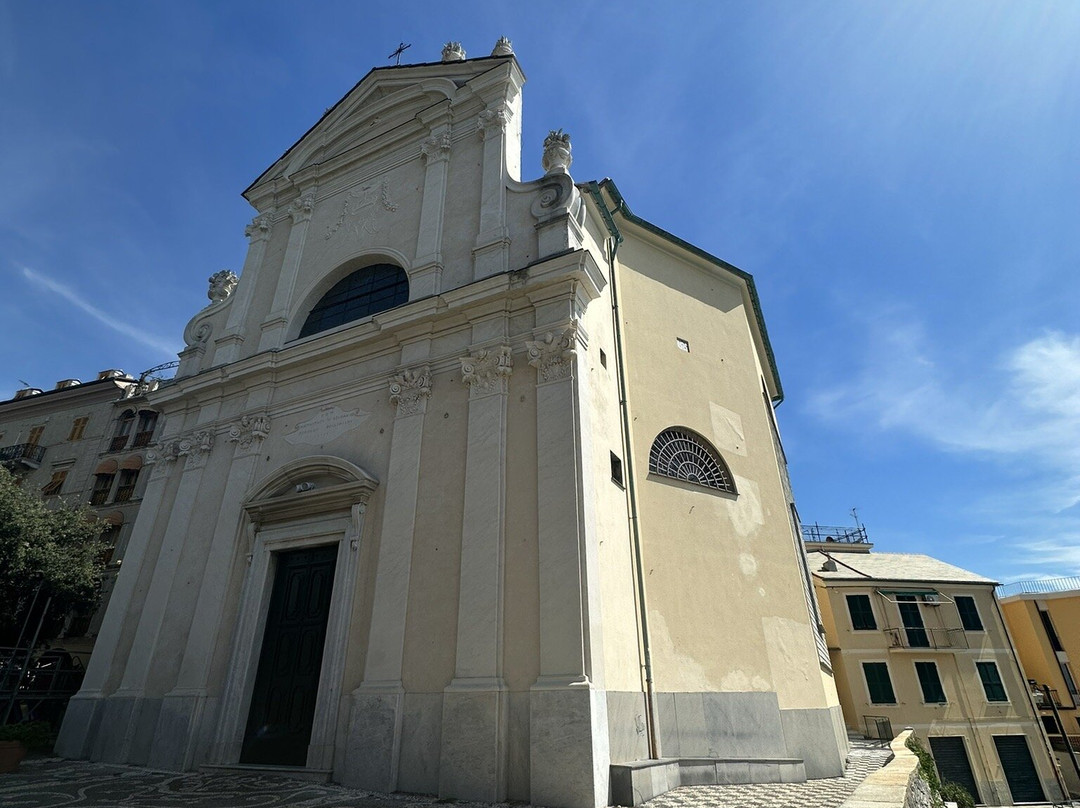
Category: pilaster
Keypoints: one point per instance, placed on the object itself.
(491, 250)
(374, 739)
(426, 276)
(276, 323)
(258, 234)
(474, 755)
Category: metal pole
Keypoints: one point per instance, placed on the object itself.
(1064, 735)
(26, 663)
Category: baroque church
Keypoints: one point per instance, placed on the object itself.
(469, 485)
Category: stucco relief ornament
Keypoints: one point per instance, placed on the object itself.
(436, 148)
(302, 208)
(260, 227)
(453, 52)
(557, 157)
(487, 370)
(249, 429)
(553, 355)
(222, 284)
(503, 47)
(410, 389)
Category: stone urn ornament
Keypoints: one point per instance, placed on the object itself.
(557, 157)
(222, 284)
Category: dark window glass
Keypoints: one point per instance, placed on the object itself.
(361, 294)
(1070, 683)
(1055, 642)
(969, 615)
(862, 614)
(102, 487)
(616, 470)
(991, 681)
(930, 682)
(878, 683)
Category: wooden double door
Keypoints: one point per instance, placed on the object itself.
(290, 663)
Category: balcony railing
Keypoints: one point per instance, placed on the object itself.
(118, 443)
(1039, 586)
(29, 454)
(124, 493)
(142, 439)
(829, 533)
(926, 637)
(99, 497)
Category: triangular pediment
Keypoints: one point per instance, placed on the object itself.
(383, 102)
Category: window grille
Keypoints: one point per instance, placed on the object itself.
(361, 294)
(685, 455)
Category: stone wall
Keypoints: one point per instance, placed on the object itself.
(898, 784)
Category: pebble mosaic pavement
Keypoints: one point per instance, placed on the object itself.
(55, 783)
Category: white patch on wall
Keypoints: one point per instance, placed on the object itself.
(739, 682)
(748, 565)
(727, 430)
(790, 645)
(691, 672)
(330, 423)
(746, 513)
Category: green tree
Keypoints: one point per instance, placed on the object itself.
(58, 548)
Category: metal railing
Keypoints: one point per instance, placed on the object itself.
(926, 637)
(38, 682)
(878, 727)
(118, 443)
(1039, 586)
(831, 533)
(26, 452)
(124, 493)
(142, 439)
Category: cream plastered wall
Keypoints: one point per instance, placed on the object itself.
(1038, 658)
(711, 556)
(967, 711)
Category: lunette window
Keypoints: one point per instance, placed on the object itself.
(969, 614)
(862, 613)
(930, 682)
(365, 292)
(682, 454)
(878, 683)
(991, 681)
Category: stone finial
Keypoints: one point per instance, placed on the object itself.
(222, 284)
(557, 158)
(503, 47)
(453, 52)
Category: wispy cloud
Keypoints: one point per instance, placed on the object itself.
(1024, 411)
(110, 321)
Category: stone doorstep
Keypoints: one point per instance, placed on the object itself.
(639, 781)
(291, 772)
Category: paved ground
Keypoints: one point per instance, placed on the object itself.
(55, 783)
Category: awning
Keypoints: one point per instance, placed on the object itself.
(133, 462)
(106, 467)
(115, 518)
(926, 595)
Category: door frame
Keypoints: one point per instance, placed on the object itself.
(286, 514)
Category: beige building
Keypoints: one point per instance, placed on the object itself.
(83, 443)
(919, 643)
(1043, 617)
(468, 485)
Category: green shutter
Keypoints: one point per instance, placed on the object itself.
(862, 613)
(878, 683)
(969, 615)
(991, 681)
(930, 682)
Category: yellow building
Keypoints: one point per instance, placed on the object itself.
(918, 642)
(1043, 618)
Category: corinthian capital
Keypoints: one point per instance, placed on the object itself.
(260, 228)
(553, 354)
(301, 208)
(487, 370)
(410, 390)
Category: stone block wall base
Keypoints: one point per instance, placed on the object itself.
(569, 756)
(175, 736)
(473, 758)
(633, 784)
(373, 743)
(126, 730)
(77, 733)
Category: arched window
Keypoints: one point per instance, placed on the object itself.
(361, 294)
(123, 430)
(684, 455)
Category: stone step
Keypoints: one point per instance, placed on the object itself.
(292, 772)
(639, 781)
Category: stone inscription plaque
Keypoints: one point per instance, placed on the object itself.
(327, 424)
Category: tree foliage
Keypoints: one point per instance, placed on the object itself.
(58, 548)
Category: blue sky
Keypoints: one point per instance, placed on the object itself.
(901, 178)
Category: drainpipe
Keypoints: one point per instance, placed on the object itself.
(611, 246)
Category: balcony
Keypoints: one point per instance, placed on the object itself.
(124, 493)
(142, 439)
(27, 455)
(1039, 586)
(118, 443)
(828, 534)
(926, 638)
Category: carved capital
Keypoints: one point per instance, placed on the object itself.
(260, 228)
(487, 370)
(301, 208)
(492, 121)
(250, 429)
(410, 390)
(222, 284)
(436, 149)
(195, 447)
(553, 354)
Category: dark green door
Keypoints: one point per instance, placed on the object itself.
(287, 681)
(1019, 768)
(953, 764)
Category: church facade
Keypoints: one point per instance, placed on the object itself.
(467, 485)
